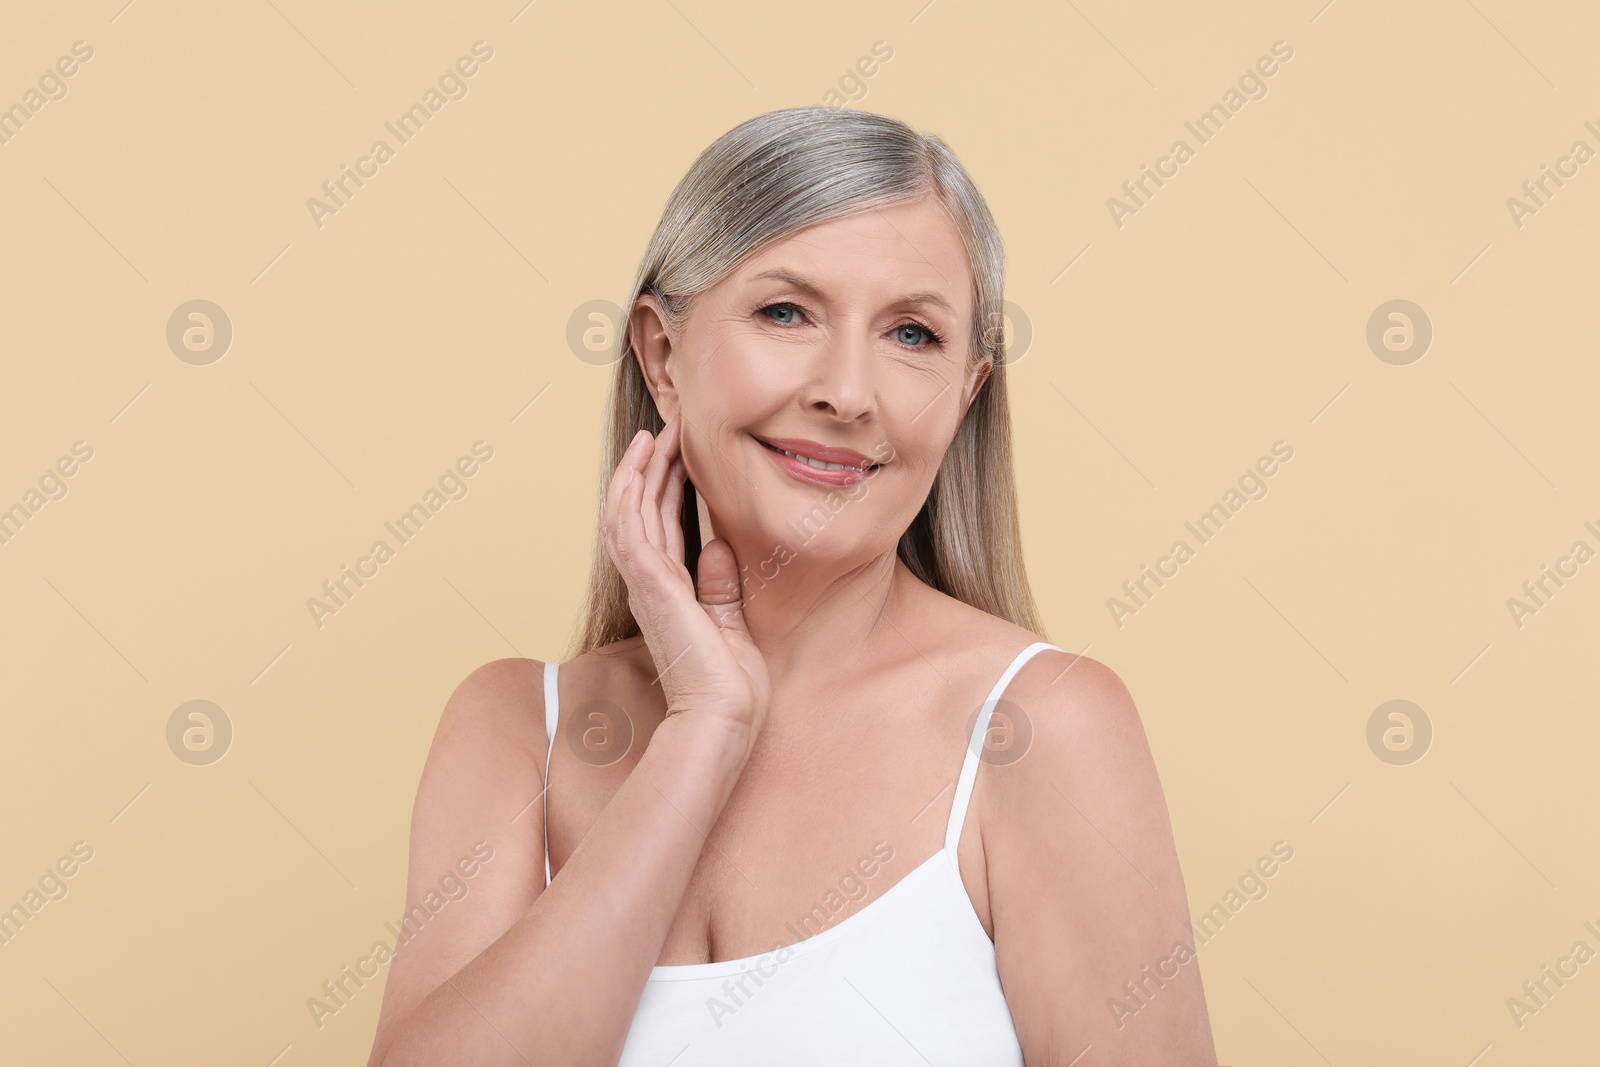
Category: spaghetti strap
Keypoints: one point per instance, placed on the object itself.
(969, 765)
(551, 708)
(551, 717)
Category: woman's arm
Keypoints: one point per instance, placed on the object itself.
(512, 972)
(521, 976)
(1091, 921)
(488, 725)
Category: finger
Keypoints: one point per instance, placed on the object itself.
(608, 514)
(672, 508)
(671, 494)
(654, 483)
(630, 517)
(622, 532)
(718, 587)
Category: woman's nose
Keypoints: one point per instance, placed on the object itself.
(844, 386)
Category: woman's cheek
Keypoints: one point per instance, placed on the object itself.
(701, 469)
(710, 448)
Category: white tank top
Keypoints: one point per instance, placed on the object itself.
(908, 979)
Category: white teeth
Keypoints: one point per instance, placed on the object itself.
(821, 466)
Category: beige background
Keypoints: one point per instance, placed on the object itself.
(1168, 354)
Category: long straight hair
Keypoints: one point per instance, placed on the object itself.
(766, 179)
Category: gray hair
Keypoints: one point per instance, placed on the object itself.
(773, 176)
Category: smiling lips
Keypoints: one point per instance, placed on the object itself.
(817, 463)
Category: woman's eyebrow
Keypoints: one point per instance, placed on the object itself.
(925, 296)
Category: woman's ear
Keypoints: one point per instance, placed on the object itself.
(652, 347)
(976, 383)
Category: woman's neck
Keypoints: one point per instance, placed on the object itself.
(807, 618)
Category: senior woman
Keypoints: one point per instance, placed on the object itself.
(812, 790)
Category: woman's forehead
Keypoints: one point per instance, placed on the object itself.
(905, 253)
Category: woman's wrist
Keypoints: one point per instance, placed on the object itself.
(708, 744)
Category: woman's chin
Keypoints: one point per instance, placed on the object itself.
(794, 549)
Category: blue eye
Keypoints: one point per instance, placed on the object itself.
(917, 328)
(911, 334)
(790, 308)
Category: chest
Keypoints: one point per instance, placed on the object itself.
(830, 813)
(804, 845)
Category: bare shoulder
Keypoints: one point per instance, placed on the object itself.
(504, 698)
(1075, 752)
(476, 841)
(1078, 801)
(488, 747)
(618, 672)
(1075, 871)
(1073, 712)
(1072, 692)
(1084, 880)
(1084, 884)
(1085, 737)
(616, 663)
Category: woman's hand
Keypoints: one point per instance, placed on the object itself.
(563, 965)
(709, 668)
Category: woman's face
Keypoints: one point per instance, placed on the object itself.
(852, 335)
